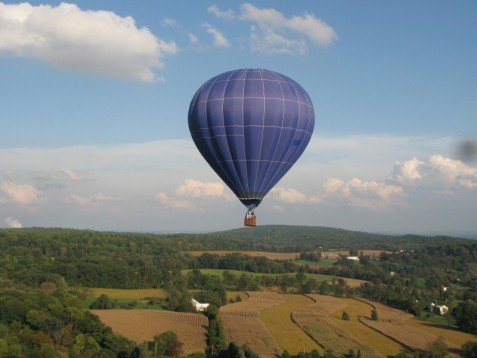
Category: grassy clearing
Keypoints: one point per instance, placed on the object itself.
(130, 299)
(219, 272)
(288, 335)
(313, 264)
(131, 294)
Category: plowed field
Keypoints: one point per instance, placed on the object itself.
(143, 325)
(243, 325)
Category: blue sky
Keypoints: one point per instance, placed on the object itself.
(94, 100)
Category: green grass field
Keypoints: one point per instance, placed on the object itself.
(321, 263)
(151, 298)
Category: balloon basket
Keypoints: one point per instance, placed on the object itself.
(250, 221)
(250, 218)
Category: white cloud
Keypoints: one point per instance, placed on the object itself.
(196, 189)
(93, 41)
(407, 170)
(13, 223)
(92, 199)
(228, 14)
(332, 185)
(172, 202)
(24, 194)
(219, 39)
(75, 175)
(289, 195)
(193, 40)
(274, 32)
(169, 22)
(371, 194)
(454, 171)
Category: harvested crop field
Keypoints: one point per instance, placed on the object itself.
(243, 325)
(287, 333)
(315, 320)
(450, 334)
(398, 325)
(143, 325)
(269, 255)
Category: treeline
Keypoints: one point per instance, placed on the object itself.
(51, 322)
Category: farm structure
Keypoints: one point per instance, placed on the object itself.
(200, 307)
(438, 309)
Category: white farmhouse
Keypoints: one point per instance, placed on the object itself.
(200, 307)
(439, 309)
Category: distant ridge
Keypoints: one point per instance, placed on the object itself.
(289, 238)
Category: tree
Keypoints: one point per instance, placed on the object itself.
(466, 316)
(166, 345)
(470, 349)
(103, 302)
(374, 314)
(438, 348)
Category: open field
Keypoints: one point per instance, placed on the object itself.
(451, 334)
(315, 320)
(411, 332)
(317, 277)
(287, 333)
(243, 325)
(362, 333)
(346, 252)
(233, 295)
(271, 322)
(143, 325)
(131, 294)
(269, 255)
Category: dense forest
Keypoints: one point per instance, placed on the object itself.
(44, 273)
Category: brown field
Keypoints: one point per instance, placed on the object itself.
(286, 332)
(270, 322)
(365, 252)
(451, 335)
(314, 319)
(143, 325)
(243, 325)
(353, 282)
(233, 295)
(133, 294)
(362, 333)
(396, 324)
(269, 255)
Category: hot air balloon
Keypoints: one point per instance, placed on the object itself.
(251, 126)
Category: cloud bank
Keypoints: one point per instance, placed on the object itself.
(339, 182)
(93, 41)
